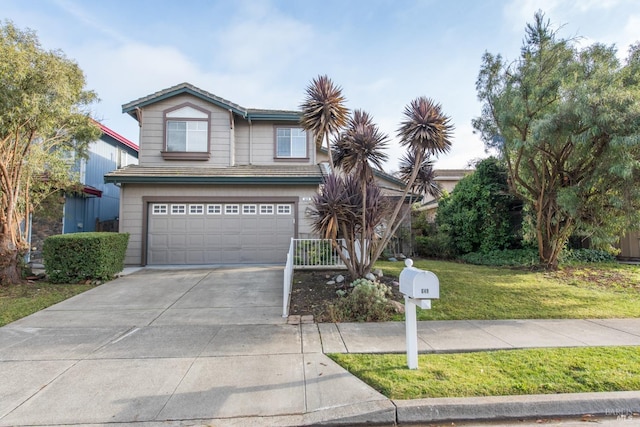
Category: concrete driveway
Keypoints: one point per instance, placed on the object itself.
(176, 347)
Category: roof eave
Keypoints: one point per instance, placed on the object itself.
(131, 107)
(221, 180)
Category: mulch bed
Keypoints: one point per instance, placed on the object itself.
(311, 295)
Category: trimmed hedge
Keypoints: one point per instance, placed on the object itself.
(78, 257)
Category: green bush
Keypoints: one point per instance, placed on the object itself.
(507, 257)
(367, 302)
(78, 257)
(434, 246)
(586, 255)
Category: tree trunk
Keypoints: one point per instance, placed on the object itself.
(9, 265)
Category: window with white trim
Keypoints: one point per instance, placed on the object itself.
(186, 130)
(196, 209)
(266, 209)
(159, 209)
(214, 209)
(178, 209)
(249, 209)
(291, 143)
(284, 209)
(231, 209)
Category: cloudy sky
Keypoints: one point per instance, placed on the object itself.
(263, 53)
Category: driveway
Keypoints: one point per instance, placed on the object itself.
(176, 347)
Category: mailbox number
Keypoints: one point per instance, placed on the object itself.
(424, 291)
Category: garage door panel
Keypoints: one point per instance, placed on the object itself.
(197, 236)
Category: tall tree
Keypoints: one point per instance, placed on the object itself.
(43, 118)
(324, 112)
(357, 151)
(567, 124)
(424, 132)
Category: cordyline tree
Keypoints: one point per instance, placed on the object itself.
(42, 121)
(567, 124)
(350, 205)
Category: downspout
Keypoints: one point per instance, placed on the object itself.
(250, 141)
(232, 140)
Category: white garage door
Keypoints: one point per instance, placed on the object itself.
(219, 233)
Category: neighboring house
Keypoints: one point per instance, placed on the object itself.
(630, 246)
(97, 206)
(217, 183)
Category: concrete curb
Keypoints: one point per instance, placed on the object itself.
(623, 403)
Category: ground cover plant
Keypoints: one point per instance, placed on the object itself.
(21, 300)
(499, 373)
(481, 292)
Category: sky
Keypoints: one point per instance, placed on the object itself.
(264, 53)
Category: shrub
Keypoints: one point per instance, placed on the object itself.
(586, 255)
(367, 302)
(481, 215)
(434, 246)
(507, 257)
(78, 257)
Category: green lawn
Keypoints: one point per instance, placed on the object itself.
(17, 301)
(499, 373)
(479, 292)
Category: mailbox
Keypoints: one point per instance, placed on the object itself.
(419, 284)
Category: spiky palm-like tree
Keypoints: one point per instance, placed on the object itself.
(425, 131)
(323, 111)
(358, 150)
(338, 207)
(425, 178)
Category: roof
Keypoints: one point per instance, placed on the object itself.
(451, 174)
(235, 175)
(188, 88)
(119, 138)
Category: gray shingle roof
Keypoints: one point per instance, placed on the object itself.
(253, 113)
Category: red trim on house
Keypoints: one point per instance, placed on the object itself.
(117, 137)
(92, 191)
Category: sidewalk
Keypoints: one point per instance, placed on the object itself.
(187, 347)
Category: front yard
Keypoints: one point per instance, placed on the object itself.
(478, 292)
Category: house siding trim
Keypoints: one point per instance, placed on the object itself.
(227, 180)
(148, 200)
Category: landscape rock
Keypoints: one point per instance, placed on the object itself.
(378, 272)
(339, 278)
(392, 259)
(331, 282)
(395, 283)
(370, 276)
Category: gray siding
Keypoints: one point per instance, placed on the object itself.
(131, 207)
(257, 137)
(152, 134)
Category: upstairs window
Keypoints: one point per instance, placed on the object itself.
(186, 133)
(291, 143)
(187, 136)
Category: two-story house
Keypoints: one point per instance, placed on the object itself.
(216, 182)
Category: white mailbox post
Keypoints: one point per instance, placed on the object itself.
(419, 288)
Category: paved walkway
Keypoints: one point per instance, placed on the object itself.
(209, 347)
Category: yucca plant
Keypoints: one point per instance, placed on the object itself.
(425, 182)
(425, 131)
(324, 111)
(357, 151)
(338, 210)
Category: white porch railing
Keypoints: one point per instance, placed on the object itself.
(307, 254)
